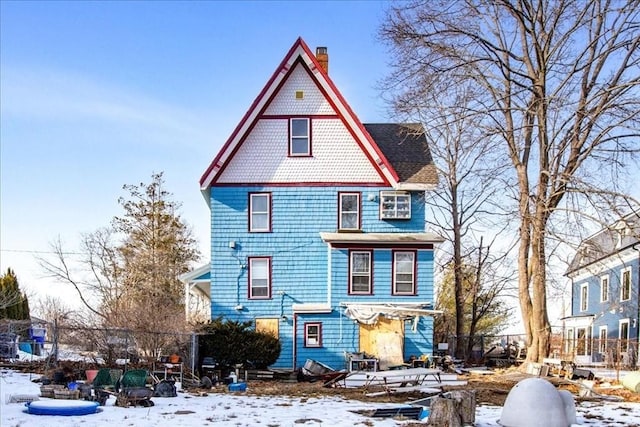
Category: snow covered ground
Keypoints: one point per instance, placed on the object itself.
(240, 409)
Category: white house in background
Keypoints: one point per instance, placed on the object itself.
(197, 292)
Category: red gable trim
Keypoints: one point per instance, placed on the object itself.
(281, 67)
(301, 184)
(316, 72)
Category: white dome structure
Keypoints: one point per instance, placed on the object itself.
(535, 402)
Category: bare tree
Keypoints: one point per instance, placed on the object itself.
(463, 203)
(559, 82)
(94, 271)
(126, 275)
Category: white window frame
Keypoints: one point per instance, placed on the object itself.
(625, 272)
(604, 288)
(313, 339)
(626, 322)
(342, 212)
(397, 272)
(354, 274)
(395, 205)
(584, 297)
(253, 213)
(293, 138)
(584, 342)
(603, 335)
(571, 340)
(255, 263)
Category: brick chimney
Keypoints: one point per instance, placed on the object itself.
(323, 58)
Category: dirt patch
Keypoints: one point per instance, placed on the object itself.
(490, 389)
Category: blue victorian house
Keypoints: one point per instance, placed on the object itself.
(318, 224)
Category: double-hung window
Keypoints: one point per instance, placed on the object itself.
(395, 205)
(604, 288)
(602, 345)
(360, 279)
(259, 278)
(260, 212)
(300, 137)
(313, 334)
(584, 297)
(625, 284)
(349, 207)
(623, 334)
(404, 277)
(569, 344)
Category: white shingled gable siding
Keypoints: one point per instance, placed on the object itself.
(285, 102)
(262, 157)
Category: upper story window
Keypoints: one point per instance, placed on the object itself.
(584, 297)
(604, 288)
(300, 137)
(395, 205)
(404, 278)
(313, 334)
(259, 278)
(349, 211)
(260, 212)
(360, 278)
(625, 284)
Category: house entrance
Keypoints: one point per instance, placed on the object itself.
(384, 340)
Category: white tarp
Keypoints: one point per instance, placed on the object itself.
(368, 313)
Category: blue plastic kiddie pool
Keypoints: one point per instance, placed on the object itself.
(62, 407)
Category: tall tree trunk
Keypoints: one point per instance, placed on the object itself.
(458, 274)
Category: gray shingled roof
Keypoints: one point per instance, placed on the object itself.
(607, 242)
(406, 148)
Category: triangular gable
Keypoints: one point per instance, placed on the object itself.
(299, 52)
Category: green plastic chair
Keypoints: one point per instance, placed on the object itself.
(107, 378)
(134, 378)
(105, 383)
(133, 389)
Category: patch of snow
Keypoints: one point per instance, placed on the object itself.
(241, 409)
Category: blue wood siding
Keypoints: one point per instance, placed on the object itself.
(609, 313)
(299, 266)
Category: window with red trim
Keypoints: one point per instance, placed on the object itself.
(360, 277)
(404, 277)
(349, 211)
(313, 334)
(260, 278)
(300, 137)
(259, 212)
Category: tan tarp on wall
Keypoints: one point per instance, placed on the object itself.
(269, 326)
(384, 340)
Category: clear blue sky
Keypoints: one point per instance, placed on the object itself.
(95, 95)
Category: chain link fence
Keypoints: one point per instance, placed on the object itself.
(511, 349)
(56, 344)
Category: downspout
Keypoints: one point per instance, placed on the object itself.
(242, 266)
(295, 350)
(329, 274)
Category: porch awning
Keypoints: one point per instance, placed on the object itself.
(381, 238)
(368, 313)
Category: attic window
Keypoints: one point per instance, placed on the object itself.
(299, 94)
(395, 205)
(300, 137)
